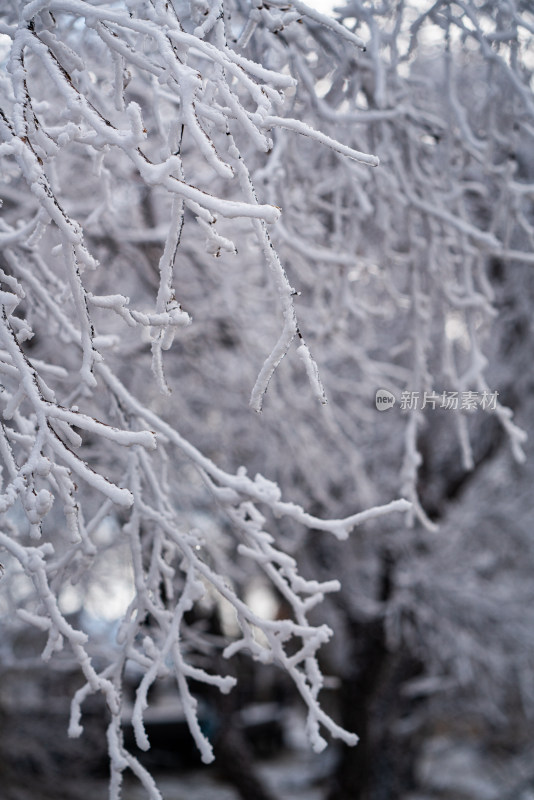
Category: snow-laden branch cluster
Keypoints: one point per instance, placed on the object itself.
(121, 123)
(407, 252)
(189, 196)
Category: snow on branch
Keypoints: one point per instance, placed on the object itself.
(142, 118)
(149, 150)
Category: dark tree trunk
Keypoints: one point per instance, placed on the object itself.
(380, 767)
(358, 688)
(235, 763)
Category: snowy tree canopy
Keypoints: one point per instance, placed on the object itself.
(207, 201)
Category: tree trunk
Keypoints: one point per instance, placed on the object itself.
(358, 688)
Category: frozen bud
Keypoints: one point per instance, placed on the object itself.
(43, 502)
(42, 467)
(199, 10)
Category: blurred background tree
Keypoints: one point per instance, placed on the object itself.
(155, 298)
